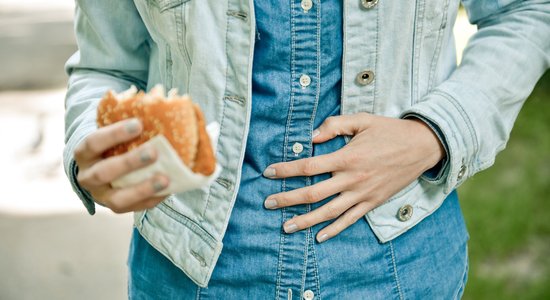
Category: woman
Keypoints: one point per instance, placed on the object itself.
(345, 128)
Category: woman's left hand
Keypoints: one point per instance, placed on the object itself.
(383, 156)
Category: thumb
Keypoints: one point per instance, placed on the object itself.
(341, 125)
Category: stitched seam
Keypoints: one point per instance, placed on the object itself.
(438, 48)
(316, 270)
(376, 60)
(417, 42)
(223, 114)
(396, 276)
(198, 293)
(280, 266)
(464, 116)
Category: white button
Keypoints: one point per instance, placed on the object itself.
(297, 148)
(309, 295)
(305, 80)
(307, 5)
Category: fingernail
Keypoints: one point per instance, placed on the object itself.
(322, 238)
(315, 133)
(145, 155)
(132, 126)
(270, 203)
(160, 184)
(269, 172)
(290, 228)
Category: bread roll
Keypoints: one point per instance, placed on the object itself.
(177, 118)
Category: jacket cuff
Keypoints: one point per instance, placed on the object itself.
(71, 169)
(437, 173)
(451, 123)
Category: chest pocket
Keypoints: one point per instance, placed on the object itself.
(167, 23)
(436, 14)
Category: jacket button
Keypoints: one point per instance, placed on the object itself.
(368, 4)
(365, 77)
(405, 213)
(461, 172)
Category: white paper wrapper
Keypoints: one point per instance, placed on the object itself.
(168, 163)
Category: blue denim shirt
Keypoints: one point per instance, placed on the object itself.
(296, 84)
(206, 48)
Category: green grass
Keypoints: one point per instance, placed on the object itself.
(507, 211)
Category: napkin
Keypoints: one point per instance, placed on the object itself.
(182, 178)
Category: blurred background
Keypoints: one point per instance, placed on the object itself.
(51, 249)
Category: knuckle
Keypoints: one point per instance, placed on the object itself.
(312, 195)
(100, 176)
(331, 212)
(309, 167)
(91, 146)
(330, 122)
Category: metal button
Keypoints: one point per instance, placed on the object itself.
(405, 213)
(368, 4)
(307, 5)
(365, 77)
(297, 148)
(305, 80)
(309, 295)
(461, 172)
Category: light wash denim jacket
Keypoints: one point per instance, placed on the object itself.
(205, 48)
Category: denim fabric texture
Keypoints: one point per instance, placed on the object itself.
(206, 48)
(259, 260)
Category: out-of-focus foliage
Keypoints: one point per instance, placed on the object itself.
(507, 211)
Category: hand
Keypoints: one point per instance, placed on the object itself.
(95, 173)
(383, 157)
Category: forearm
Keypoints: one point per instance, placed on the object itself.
(476, 107)
(113, 54)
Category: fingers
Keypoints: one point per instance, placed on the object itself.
(341, 125)
(304, 167)
(331, 210)
(137, 197)
(344, 221)
(310, 194)
(105, 171)
(346, 209)
(107, 137)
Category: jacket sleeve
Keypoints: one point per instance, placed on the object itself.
(476, 107)
(113, 54)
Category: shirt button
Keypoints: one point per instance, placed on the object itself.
(297, 148)
(368, 4)
(365, 77)
(309, 295)
(405, 213)
(461, 172)
(305, 80)
(307, 5)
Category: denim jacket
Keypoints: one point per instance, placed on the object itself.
(398, 60)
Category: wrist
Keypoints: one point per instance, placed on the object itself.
(429, 145)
